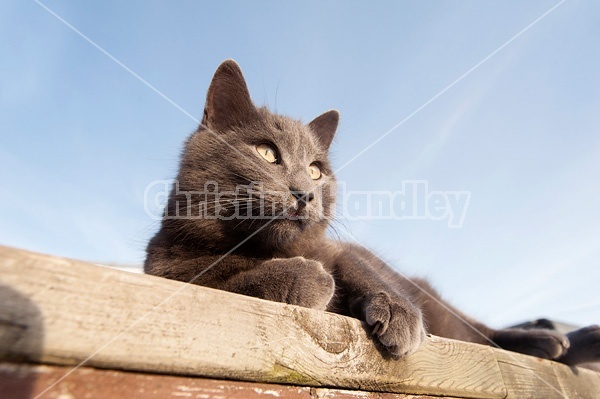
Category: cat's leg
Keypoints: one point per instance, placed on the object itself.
(445, 320)
(395, 321)
(546, 344)
(583, 345)
(442, 318)
(584, 348)
(297, 281)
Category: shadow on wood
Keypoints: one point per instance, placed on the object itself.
(22, 336)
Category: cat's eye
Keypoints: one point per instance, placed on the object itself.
(267, 152)
(314, 171)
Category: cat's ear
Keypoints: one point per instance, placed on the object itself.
(228, 101)
(324, 126)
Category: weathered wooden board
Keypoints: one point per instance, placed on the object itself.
(578, 382)
(59, 311)
(25, 381)
(528, 377)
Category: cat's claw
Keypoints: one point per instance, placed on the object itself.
(376, 328)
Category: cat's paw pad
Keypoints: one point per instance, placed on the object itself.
(545, 344)
(396, 323)
(585, 346)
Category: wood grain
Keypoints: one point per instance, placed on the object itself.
(528, 377)
(65, 312)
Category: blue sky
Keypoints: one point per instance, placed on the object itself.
(82, 137)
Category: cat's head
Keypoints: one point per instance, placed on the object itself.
(249, 172)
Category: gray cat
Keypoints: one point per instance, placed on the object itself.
(248, 214)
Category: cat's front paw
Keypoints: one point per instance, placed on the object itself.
(397, 323)
(585, 346)
(299, 281)
(546, 344)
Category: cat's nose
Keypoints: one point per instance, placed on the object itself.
(303, 197)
